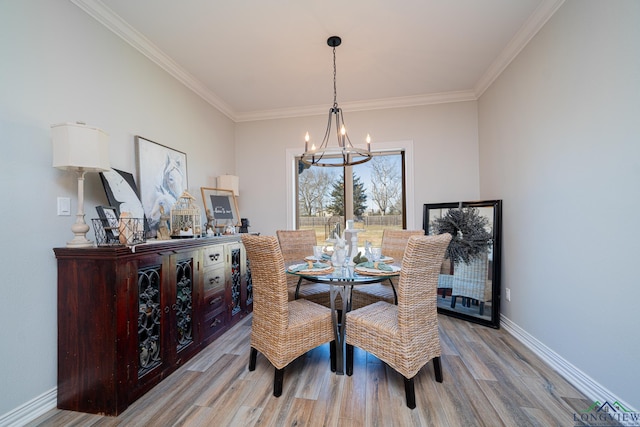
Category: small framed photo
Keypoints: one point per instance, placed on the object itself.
(109, 218)
(220, 206)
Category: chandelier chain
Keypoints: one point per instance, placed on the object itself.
(335, 91)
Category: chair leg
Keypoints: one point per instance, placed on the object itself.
(437, 367)
(453, 301)
(297, 289)
(481, 308)
(252, 359)
(278, 378)
(332, 353)
(349, 361)
(395, 294)
(410, 392)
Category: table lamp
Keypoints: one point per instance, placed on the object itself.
(229, 182)
(82, 149)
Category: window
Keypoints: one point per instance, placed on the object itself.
(375, 198)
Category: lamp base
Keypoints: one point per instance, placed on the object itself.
(80, 229)
(80, 242)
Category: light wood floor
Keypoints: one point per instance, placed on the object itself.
(490, 379)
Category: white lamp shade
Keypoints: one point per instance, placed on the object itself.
(229, 182)
(77, 146)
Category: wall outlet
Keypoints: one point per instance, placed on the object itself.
(508, 294)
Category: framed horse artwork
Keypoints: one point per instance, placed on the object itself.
(162, 177)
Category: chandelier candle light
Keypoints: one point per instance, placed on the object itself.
(345, 153)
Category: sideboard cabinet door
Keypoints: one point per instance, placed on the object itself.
(148, 330)
(166, 292)
(238, 282)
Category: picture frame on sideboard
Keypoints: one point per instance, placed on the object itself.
(220, 205)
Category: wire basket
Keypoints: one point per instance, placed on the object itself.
(126, 232)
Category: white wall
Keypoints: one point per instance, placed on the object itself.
(59, 65)
(560, 144)
(444, 140)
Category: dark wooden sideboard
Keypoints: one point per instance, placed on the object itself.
(128, 317)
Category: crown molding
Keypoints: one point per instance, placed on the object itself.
(372, 104)
(101, 13)
(97, 10)
(529, 29)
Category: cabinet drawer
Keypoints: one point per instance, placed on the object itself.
(214, 303)
(213, 279)
(214, 323)
(214, 255)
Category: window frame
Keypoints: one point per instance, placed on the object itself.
(407, 146)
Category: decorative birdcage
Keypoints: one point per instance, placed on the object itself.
(185, 217)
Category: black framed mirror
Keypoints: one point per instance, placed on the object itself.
(469, 281)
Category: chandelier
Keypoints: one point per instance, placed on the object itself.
(344, 153)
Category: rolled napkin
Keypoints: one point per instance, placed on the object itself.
(308, 266)
(375, 265)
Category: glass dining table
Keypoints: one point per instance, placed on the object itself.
(341, 281)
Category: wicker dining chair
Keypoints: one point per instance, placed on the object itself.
(471, 282)
(281, 330)
(295, 246)
(394, 243)
(404, 336)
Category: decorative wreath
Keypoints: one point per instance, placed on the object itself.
(469, 230)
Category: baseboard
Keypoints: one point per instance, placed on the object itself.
(31, 410)
(583, 382)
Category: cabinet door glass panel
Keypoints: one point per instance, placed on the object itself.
(249, 283)
(235, 281)
(184, 303)
(149, 319)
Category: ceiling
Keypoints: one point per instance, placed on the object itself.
(257, 59)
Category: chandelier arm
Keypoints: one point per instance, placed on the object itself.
(327, 132)
(339, 125)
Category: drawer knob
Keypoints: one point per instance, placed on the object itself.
(214, 257)
(214, 280)
(215, 323)
(215, 300)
